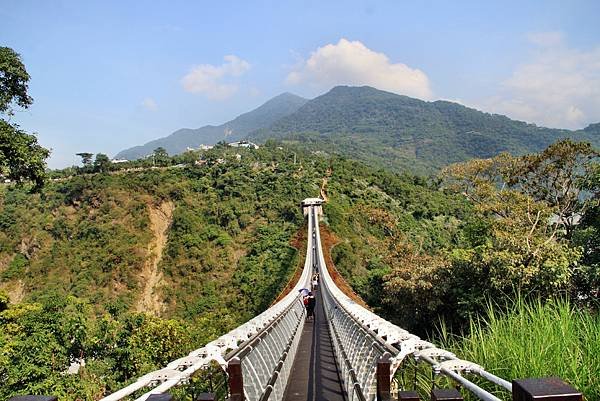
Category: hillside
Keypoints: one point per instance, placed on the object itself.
(233, 130)
(399, 132)
(133, 269)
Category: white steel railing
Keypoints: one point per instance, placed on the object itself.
(265, 345)
(361, 339)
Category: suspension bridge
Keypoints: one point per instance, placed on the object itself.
(346, 353)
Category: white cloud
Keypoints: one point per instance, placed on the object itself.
(215, 81)
(559, 86)
(149, 104)
(352, 63)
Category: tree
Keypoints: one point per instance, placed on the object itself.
(554, 176)
(161, 156)
(21, 157)
(102, 163)
(13, 81)
(86, 158)
(522, 246)
(586, 283)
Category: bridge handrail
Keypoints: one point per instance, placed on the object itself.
(220, 350)
(398, 342)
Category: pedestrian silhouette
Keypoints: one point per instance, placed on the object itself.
(310, 303)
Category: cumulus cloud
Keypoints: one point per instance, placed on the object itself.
(559, 86)
(215, 82)
(352, 63)
(149, 104)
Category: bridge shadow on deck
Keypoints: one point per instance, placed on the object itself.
(314, 375)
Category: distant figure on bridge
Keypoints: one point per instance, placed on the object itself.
(309, 303)
(315, 282)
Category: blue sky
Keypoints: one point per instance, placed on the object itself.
(107, 75)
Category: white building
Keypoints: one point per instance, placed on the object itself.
(243, 144)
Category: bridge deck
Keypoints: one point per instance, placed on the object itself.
(314, 375)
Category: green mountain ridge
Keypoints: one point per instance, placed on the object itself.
(233, 130)
(399, 132)
(380, 128)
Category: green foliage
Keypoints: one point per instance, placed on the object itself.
(102, 163)
(21, 157)
(14, 81)
(227, 256)
(586, 282)
(414, 248)
(86, 158)
(39, 341)
(400, 133)
(535, 339)
(266, 268)
(160, 157)
(389, 225)
(422, 251)
(16, 267)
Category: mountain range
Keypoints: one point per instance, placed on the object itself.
(233, 130)
(381, 128)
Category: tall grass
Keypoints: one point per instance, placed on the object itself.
(536, 339)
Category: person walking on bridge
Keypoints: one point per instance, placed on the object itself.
(310, 303)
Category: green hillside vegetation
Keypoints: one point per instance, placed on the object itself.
(401, 133)
(421, 253)
(74, 258)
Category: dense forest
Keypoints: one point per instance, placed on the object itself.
(128, 269)
(82, 278)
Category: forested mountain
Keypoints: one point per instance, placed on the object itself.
(233, 130)
(377, 127)
(399, 132)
